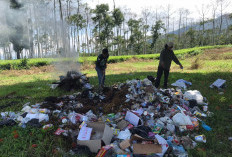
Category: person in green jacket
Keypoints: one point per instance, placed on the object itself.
(101, 67)
(166, 57)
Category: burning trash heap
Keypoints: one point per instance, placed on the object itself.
(128, 119)
(72, 81)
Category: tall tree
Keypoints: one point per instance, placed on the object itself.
(168, 13)
(223, 4)
(203, 11)
(135, 36)
(214, 7)
(146, 14)
(180, 21)
(103, 25)
(118, 19)
(78, 21)
(155, 31)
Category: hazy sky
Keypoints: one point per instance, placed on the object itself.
(137, 5)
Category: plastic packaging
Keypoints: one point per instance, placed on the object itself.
(206, 127)
(171, 127)
(181, 119)
(64, 119)
(47, 127)
(124, 135)
(200, 138)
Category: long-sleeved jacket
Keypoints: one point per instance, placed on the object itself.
(166, 57)
(101, 62)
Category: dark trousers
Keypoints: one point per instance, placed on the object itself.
(159, 75)
(101, 76)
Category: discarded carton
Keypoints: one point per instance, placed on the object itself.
(105, 139)
(139, 148)
(146, 148)
(122, 124)
(125, 144)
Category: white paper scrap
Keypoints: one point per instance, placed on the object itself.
(84, 134)
(132, 118)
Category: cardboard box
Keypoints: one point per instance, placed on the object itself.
(146, 148)
(125, 144)
(139, 148)
(122, 124)
(95, 145)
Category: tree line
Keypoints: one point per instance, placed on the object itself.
(46, 28)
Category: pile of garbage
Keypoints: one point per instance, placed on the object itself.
(128, 119)
(72, 81)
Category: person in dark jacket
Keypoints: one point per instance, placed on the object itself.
(101, 66)
(166, 57)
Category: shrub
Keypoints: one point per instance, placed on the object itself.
(5, 66)
(196, 64)
(41, 63)
(24, 64)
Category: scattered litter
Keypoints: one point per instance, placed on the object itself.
(200, 138)
(219, 83)
(195, 95)
(128, 119)
(182, 84)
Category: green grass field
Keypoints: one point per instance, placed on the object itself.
(37, 62)
(31, 85)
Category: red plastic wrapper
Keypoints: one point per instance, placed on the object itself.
(59, 131)
(104, 151)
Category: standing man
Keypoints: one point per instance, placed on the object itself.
(101, 67)
(166, 57)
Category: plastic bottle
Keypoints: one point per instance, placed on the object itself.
(118, 115)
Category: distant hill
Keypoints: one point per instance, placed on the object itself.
(227, 21)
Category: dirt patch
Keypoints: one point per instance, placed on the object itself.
(133, 59)
(217, 54)
(114, 102)
(87, 66)
(218, 51)
(114, 99)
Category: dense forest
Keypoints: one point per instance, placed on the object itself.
(48, 28)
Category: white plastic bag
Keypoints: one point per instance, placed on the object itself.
(181, 119)
(123, 135)
(194, 94)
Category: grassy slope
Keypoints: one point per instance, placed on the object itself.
(35, 87)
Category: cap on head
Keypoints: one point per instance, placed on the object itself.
(170, 44)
